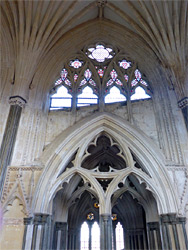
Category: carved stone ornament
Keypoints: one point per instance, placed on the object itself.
(17, 100)
(183, 103)
(101, 3)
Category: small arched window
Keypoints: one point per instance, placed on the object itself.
(87, 97)
(114, 96)
(119, 237)
(61, 99)
(95, 237)
(84, 237)
(140, 93)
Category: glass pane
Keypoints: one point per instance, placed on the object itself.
(61, 99)
(95, 240)
(119, 237)
(140, 94)
(87, 97)
(114, 96)
(84, 237)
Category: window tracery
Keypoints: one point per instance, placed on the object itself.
(107, 72)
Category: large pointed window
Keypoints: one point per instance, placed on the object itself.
(84, 238)
(95, 237)
(119, 237)
(90, 236)
(99, 74)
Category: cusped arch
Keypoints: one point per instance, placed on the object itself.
(57, 155)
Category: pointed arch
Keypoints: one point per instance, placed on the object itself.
(59, 152)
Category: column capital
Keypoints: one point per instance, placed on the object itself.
(61, 225)
(170, 218)
(27, 221)
(153, 225)
(183, 102)
(17, 100)
(40, 219)
(181, 219)
(106, 217)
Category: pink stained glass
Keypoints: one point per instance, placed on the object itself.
(87, 74)
(134, 83)
(126, 78)
(64, 74)
(113, 74)
(83, 82)
(138, 75)
(59, 81)
(75, 77)
(76, 64)
(124, 64)
(143, 82)
(67, 82)
(91, 81)
(101, 73)
(118, 82)
(110, 82)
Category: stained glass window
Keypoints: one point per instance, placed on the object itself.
(100, 53)
(64, 74)
(87, 97)
(84, 244)
(87, 74)
(101, 72)
(114, 79)
(61, 99)
(87, 78)
(119, 237)
(124, 64)
(106, 72)
(114, 96)
(75, 77)
(138, 79)
(140, 94)
(76, 64)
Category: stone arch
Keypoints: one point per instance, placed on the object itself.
(57, 154)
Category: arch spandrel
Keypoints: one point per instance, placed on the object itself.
(56, 156)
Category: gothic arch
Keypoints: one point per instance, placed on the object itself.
(57, 155)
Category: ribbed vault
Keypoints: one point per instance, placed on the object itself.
(33, 30)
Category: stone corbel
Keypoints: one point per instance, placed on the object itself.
(17, 100)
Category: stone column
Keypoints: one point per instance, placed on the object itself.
(154, 238)
(90, 227)
(72, 239)
(27, 221)
(173, 232)
(105, 232)
(114, 223)
(62, 229)
(183, 104)
(39, 231)
(9, 137)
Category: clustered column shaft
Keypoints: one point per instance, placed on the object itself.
(9, 137)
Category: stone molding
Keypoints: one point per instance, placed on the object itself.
(12, 221)
(183, 103)
(61, 226)
(17, 100)
(153, 225)
(27, 221)
(172, 219)
(40, 219)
